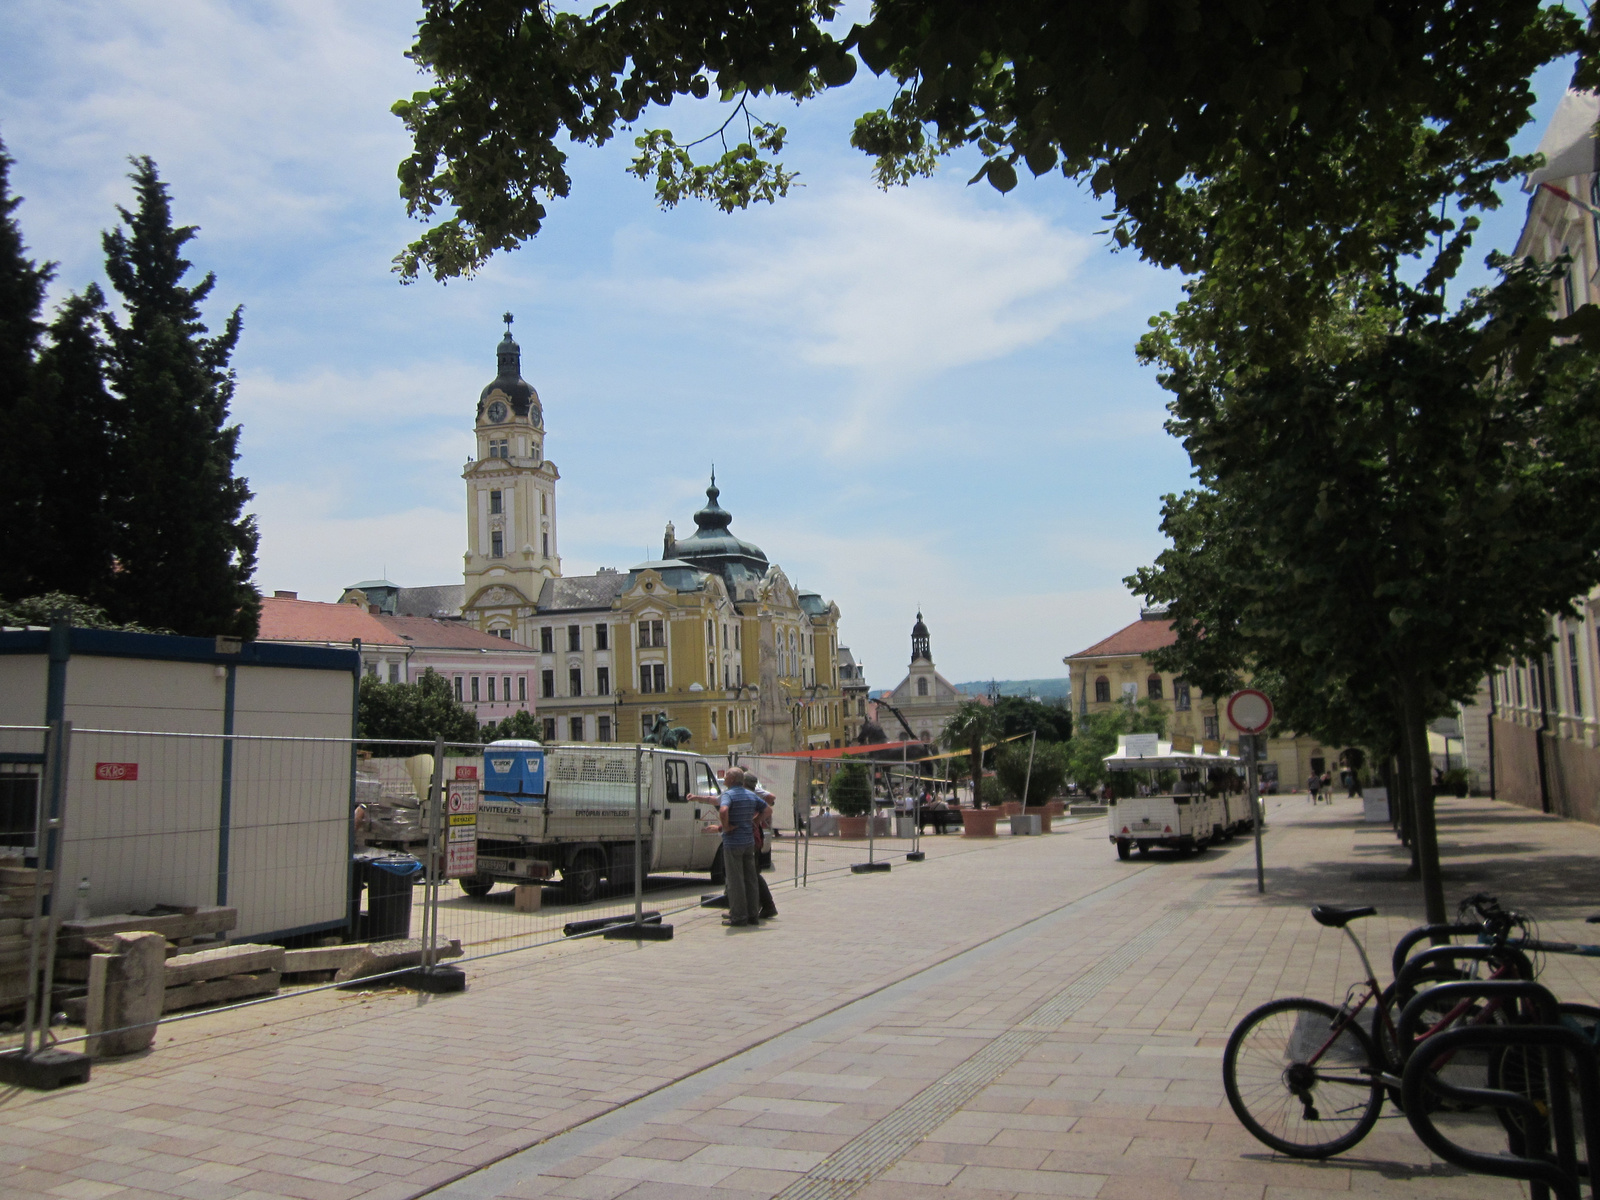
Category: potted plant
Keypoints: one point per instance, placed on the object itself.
(973, 725)
(1031, 783)
(850, 795)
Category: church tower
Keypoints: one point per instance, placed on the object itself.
(511, 504)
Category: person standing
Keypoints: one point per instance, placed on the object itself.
(1314, 785)
(768, 909)
(739, 812)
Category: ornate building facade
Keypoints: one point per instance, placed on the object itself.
(712, 635)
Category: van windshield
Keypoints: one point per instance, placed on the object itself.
(705, 783)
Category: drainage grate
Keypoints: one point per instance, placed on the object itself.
(875, 1149)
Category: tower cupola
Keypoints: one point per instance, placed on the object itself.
(919, 641)
(515, 391)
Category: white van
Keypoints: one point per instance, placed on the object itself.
(583, 824)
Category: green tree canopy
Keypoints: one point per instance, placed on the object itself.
(1144, 102)
(185, 550)
(415, 712)
(1023, 714)
(1385, 516)
(1096, 736)
(522, 725)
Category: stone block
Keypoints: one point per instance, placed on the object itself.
(378, 958)
(218, 991)
(527, 897)
(126, 994)
(241, 959)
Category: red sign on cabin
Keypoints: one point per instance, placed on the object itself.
(466, 772)
(118, 771)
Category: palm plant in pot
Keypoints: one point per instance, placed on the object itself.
(1032, 784)
(973, 724)
(850, 795)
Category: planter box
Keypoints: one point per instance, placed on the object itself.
(1024, 825)
(979, 822)
(1055, 807)
(1011, 808)
(1375, 805)
(1042, 814)
(852, 827)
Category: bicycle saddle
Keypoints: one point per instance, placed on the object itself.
(1335, 917)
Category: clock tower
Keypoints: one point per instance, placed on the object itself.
(511, 504)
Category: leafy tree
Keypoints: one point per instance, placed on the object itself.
(850, 790)
(521, 724)
(22, 288)
(1021, 714)
(1386, 515)
(1096, 736)
(185, 551)
(1144, 104)
(1048, 773)
(971, 726)
(414, 712)
(51, 607)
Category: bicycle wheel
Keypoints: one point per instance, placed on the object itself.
(1518, 1069)
(1301, 1081)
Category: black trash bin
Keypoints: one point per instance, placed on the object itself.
(389, 879)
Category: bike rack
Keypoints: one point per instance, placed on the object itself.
(1411, 973)
(1402, 948)
(1533, 1164)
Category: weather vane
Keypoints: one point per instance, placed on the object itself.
(507, 318)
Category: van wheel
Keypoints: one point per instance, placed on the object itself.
(719, 874)
(1124, 849)
(477, 886)
(580, 880)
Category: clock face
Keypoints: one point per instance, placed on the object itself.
(497, 412)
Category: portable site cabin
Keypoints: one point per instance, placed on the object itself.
(160, 807)
(1176, 820)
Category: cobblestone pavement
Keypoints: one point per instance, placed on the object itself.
(1011, 1018)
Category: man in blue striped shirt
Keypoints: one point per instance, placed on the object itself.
(740, 809)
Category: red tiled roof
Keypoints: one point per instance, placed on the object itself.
(284, 620)
(1139, 638)
(428, 634)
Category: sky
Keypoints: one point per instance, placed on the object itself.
(920, 398)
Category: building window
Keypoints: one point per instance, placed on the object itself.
(1152, 687)
(394, 672)
(1568, 290)
(647, 722)
(549, 729)
(652, 633)
(1102, 690)
(547, 640)
(574, 637)
(576, 726)
(498, 448)
(602, 637)
(922, 687)
(602, 683)
(603, 732)
(474, 689)
(545, 541)
(505, 691)
(713, 725)
(1516, 678)
(653, 677)
(502, 634)
(547, 684)
(496, 506)
(497, 545)
(575, 681)
(711, 634)
(458, 687)
(1210, 726)
(1577, 681)
(737, 641)
(522, 687)
(1180, 695)
(491, 689)
(372, 669)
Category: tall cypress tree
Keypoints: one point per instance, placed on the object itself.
(185, 550)
(22, 288)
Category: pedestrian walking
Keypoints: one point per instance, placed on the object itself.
(738, 813)
(1314, 785)
(1327, 786)
(767, 908)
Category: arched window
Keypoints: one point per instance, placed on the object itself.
(922, 687)
(1102, 690)
(1152, 687)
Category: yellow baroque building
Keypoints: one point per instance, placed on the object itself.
(1117, 668)
(712, 636)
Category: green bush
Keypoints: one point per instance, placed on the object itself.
(850, 791)
(1457, 781)
(991, 792)
(1049, 771)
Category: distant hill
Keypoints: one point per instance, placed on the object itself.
(1045, 689)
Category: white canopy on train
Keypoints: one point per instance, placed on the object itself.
(1147, 752)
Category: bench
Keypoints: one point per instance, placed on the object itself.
(940, 818)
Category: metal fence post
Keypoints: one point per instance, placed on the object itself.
(430, 910)
(50, 807)
(638, 836)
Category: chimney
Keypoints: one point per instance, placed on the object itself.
(375, 609)
(286, 595)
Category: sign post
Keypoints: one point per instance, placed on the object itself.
(1250, 712)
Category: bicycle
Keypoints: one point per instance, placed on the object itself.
(1307, 1078)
